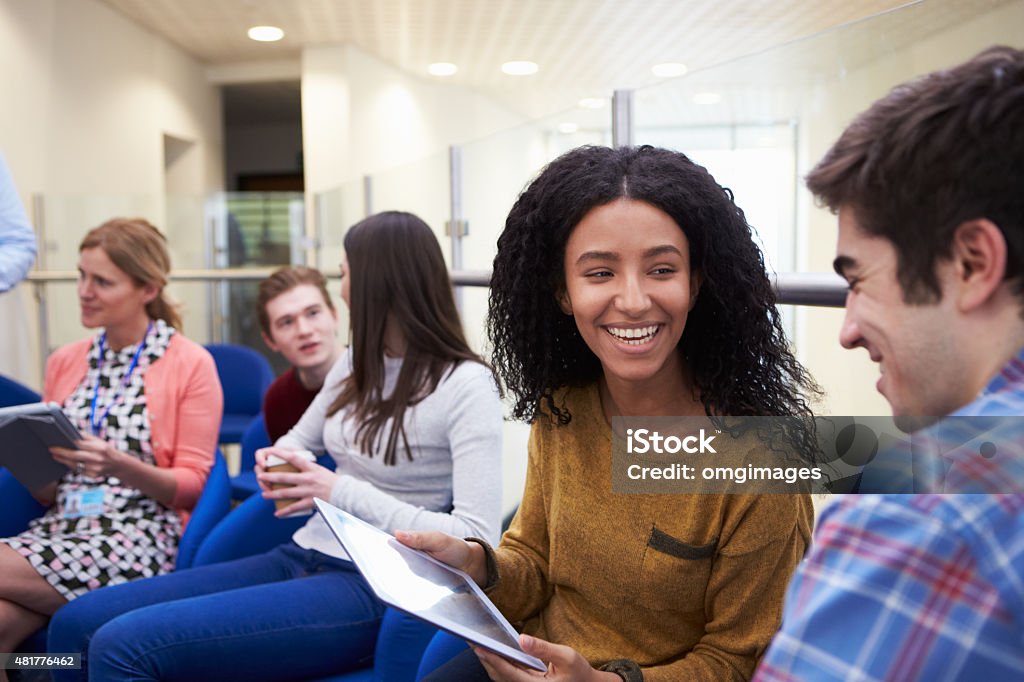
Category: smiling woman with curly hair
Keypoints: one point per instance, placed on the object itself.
(627, 283)
(733, 343)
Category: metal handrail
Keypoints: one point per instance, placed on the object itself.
(792, 288)
(824, 289)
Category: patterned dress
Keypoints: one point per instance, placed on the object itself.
(134, 536)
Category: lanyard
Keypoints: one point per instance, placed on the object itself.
(95, 423)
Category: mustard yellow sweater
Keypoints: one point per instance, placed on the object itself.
(689, 587)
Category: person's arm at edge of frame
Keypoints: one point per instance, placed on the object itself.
(17, 239)
(938, 558)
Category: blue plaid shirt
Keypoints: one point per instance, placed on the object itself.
(915, 587)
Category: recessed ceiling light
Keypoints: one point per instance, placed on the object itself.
(519, 68)
(707, 98)
(442, 69)
(668, 69)
(568, 128)
(266, 34)
(593, 103)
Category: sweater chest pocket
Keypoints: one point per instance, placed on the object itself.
(674, 574)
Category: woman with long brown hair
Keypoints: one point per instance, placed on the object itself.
(148, 403)
(413, 421)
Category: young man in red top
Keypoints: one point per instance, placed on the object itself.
(299, 321)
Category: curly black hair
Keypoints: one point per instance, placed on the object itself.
(733, 343)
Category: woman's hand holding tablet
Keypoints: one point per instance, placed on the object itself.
(466, 556)
(423, 586)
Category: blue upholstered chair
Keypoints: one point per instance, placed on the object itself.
(255, 437)
(250, 528)
(13, 393)
(212, 506)
(244, 375)
(19, 507)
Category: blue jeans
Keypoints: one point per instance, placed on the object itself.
(288, 614)
(400, 645)
(448, 657)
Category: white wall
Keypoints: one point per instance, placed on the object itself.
(361, 116)
(89, 96)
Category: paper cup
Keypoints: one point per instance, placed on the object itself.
(278, 465)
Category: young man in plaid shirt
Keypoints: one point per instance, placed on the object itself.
(928, 184)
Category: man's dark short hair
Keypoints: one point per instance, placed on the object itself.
(935, 152)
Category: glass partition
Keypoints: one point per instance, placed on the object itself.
(334, 212)
(495, 170)
(420, 187)
(67, 218)
(236, 230)
(760, 123)
(249, 230)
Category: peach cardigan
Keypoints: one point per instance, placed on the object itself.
(184, 401)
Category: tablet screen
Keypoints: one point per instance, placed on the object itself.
(423, 587)
(415, 583)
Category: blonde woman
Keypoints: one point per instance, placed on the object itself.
(148, 403)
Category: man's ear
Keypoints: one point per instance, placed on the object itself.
(563, 301)
(979, 262)
(270, 342)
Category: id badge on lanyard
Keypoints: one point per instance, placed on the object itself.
(86, 502)
(96, 421)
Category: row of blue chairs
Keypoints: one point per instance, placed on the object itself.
(215, 532)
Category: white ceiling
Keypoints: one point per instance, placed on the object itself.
(584, 47)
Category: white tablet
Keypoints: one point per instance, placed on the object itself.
(421, 586)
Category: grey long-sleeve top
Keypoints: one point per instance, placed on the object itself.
(452, 484)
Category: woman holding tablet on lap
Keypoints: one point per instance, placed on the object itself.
(302, 610)
(627, 283)
(148, 403)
